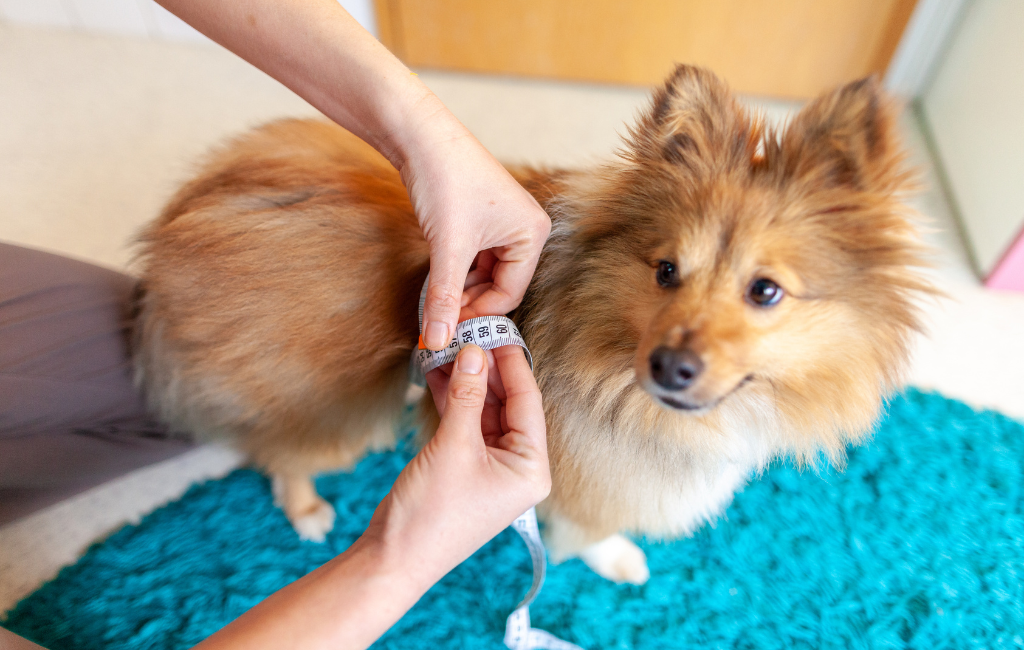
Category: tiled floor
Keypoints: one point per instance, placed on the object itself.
(95, 132)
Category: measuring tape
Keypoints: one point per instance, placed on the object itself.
(491, 332)
(488, 332)
(518, 633)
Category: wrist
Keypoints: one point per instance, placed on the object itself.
(420, 128)
(398, 116)
(395, 561)
(347, 603)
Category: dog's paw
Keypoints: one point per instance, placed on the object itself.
(413, 394)
(617, 559)
(279, 490)
(314, 524)
(311, 516)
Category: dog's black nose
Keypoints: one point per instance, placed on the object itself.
(674, 369)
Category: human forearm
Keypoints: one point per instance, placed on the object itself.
(465, 486)
(321, 53)
(345, 604)
(463, 198)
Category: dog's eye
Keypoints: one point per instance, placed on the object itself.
(764, 293)
(667, 275)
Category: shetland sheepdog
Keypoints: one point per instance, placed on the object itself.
(719, 295)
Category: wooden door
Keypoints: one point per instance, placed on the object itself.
(785, 48)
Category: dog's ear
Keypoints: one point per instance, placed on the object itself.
(693, 119)
(846, 138)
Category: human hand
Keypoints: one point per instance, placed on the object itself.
(475, 476)
(470, 210)
(438, 378)
(465, 201)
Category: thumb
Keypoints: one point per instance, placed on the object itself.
(467, 392)
(449, 267)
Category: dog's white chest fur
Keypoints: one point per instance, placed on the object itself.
(649, 484)
(673, 494)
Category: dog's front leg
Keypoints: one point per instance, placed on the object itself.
(614, 557)
(311, 516)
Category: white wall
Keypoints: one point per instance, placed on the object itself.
(130, 17)
(924, 40)
(973, 110)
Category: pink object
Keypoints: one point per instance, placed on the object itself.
(1008, 273)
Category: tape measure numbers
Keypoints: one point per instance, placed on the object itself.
(488, 332)
(491, 332)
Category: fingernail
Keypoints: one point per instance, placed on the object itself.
(470, 361)
(436, 335)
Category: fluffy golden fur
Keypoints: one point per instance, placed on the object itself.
(280, 293)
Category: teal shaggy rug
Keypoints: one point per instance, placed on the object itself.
(919, 543)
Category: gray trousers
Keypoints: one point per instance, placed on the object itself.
(70, 418)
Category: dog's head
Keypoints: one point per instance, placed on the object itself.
(742, 266)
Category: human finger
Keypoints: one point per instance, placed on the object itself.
(482, 269)
(471, 294)
(512, 273)
(524, 410)
(466, 395)
(437, 383)
(449, 266)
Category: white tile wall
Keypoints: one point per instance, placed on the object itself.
(363, 12)
(113, 16)
(167, 25)
(973, 110)
(130, 17)
(51, 13)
